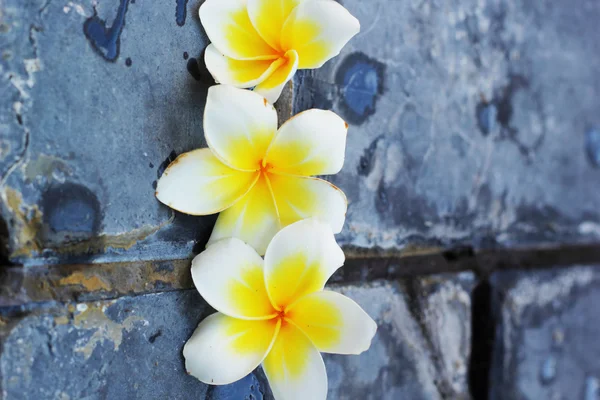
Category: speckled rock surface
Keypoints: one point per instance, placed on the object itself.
(472, 122)
(131, 347)
(547, 335)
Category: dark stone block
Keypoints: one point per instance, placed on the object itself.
(547, 332)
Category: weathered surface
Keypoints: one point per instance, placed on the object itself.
(125, 349)
(421, 348)
(471, 122)
(96, 100)
(131, 347)
(548, 324)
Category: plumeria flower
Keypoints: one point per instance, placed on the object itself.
(275, 312)
(262, 43)
(258, 177)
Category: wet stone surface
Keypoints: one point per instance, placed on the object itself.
(131, 347)
(548, 324)
(469, 122)
(472, 122)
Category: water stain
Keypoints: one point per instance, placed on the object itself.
(181, 12)
(163, 165)
(367, 161)
(592, 146)
(155, 336)
(247, 388)
(193, 69)
(361, 80)
(106, 41)
(548, 371)
(487, 116)
(71, 212)
(197, 69)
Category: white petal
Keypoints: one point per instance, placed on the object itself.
(229, 28)
(295, 368)
(197, 183)
(333, 322)
(299, 260)
(311, 143)
(318, 30)
(238, 73)
(223, 350)
(253, 219)
(272, 87)
(229, 275)
(299, 197)
(239, 126)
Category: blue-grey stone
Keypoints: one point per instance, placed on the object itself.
(417, 353)
(546, 335)
(98, 97)
(476, 133)
(131, 347)
(592, 146)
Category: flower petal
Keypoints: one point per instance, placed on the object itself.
(272, 86)
(311, 143)
(252, 219)
(318, 30)
(238, 73)
(294, 367)
(333, 322)
(197, 183)
(224, 349)
(229, 276)
(299, 260)
(299, 197)
(268, 17)
(239, 126)
(228, 27)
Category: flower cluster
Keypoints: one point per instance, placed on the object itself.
(261, 180)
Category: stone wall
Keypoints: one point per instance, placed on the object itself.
(472, 173)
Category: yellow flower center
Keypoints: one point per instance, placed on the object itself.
(264, 166)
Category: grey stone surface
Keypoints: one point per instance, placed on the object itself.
(124, 349)
(90, 117)
(131, 347)
(421, 348)
(471, 122)
(548, 324)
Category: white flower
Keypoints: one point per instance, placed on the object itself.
(258, 177)
(262, 43)
(275, 312)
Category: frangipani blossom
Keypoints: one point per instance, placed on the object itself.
(275, 312)
(262, 43)
(258, 177)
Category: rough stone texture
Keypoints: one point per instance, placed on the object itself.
(131, 347)
(421, 348)
(124, 349)
(472, 121)
(548, 326)
(90, 118)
